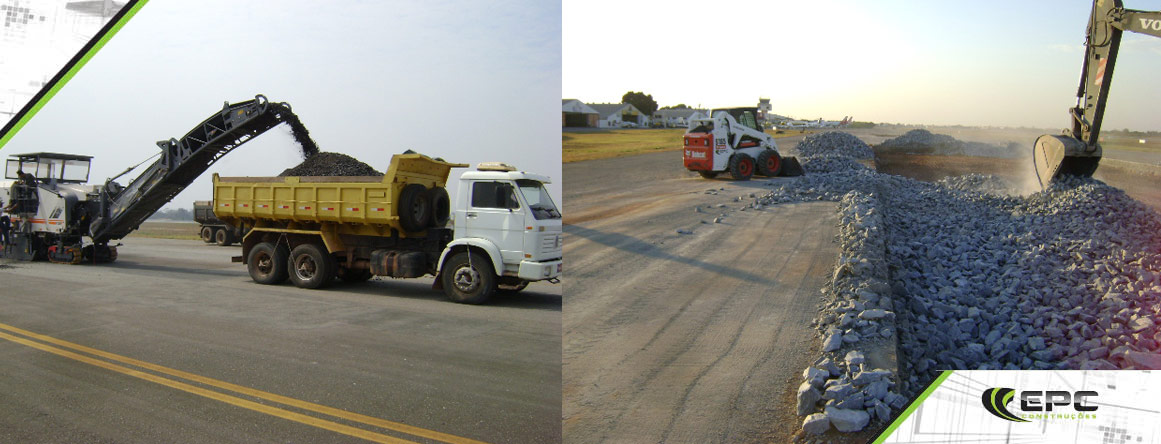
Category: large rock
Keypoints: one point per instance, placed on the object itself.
(816, 424)
(1144, 360)
(847, 420)
(833, 341)
(815, 376)
(808, 397)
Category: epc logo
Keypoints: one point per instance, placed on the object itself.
(1034, 403)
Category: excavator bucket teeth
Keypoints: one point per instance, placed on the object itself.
(1056, 156)
(791, 167)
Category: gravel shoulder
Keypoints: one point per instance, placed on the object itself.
(696, 337)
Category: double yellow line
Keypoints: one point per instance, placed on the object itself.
(229, 399)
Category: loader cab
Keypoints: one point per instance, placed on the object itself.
(50, 168)
(747, 116)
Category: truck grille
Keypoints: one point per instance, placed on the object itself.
(550, 243)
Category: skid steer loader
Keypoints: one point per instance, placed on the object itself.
(733, 140)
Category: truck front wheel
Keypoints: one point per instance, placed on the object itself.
(468, 278)
(311, 266)
(268, 264)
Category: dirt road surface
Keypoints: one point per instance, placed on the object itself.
(685, 337)
(392, 350)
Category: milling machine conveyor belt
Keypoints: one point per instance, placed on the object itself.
(182, 161)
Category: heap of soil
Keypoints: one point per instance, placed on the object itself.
(331, 164)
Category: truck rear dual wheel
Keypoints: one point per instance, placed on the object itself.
(741, 167)
(267, 263)
(208, 235)
(224, 237)
(468, 278)
(311, 266)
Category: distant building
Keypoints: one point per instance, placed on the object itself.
(619, 115)
(677, 118)
(575, 113)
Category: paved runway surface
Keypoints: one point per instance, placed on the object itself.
(174, 343)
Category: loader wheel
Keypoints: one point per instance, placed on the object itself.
(268, 264)
(769, 163)
(708, 174)
(207, 235)
(468, 278)
(311, 266)
(440, 207)
(224, 237)
(414, 207)
(741, 167)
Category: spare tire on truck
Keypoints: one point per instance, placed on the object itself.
(414, 207)
(440, 207)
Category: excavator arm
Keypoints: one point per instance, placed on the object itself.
(1078, 151)
(122, 210)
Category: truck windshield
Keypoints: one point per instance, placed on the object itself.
(538, 199)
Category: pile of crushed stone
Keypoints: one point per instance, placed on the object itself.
(331, 164)
(969, 275)
(921, 141)
(835, 143)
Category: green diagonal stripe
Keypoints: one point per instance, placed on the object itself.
(67, 73)
(911, 407)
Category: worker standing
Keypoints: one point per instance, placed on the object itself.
(5, 227)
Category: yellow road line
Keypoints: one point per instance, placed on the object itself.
(305, 405)
(274, 411)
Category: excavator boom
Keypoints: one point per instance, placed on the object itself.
(1078, 152)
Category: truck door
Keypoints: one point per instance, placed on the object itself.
(495, 214)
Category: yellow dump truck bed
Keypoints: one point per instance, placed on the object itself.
(361, 200)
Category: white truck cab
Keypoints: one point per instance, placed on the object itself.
(508, 215)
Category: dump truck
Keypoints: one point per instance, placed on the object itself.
(505, 231)
(211, 229)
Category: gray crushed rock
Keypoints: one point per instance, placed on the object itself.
(974, 277)
(921, 141)
(834, 143)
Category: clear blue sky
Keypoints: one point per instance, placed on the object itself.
(1011, 63)
(463, 80)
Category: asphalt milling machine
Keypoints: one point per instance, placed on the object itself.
(1077, 152)
(53, 209)
(732, 140)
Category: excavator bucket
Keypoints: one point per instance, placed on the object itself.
(1056, 156)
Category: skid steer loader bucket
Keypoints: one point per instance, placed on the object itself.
(791, 167)
(1055, 156)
